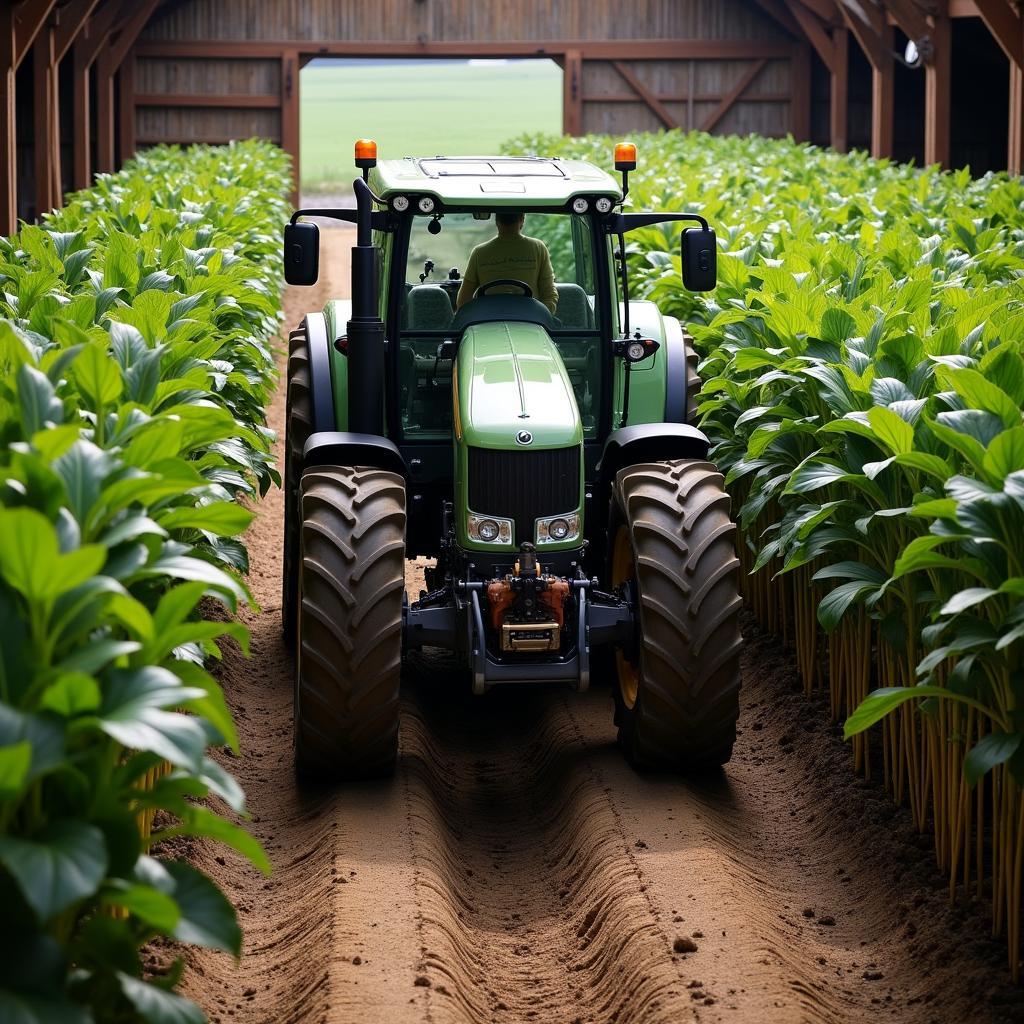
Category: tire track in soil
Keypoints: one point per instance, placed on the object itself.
(517, 870)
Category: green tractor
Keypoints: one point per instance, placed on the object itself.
(545, 460)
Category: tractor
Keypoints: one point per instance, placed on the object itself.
(543, 463)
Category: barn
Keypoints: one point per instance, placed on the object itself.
(87, 82)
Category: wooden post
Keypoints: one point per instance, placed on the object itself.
(290, 117)
(937, 95)
(839, 118)
(1015, 151)
(800, 91)
(126, 80)
(883, 99)
(105, 154)
(47, 152)
(8, 140)
(572, 93)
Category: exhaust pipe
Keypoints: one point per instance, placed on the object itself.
(366, 329)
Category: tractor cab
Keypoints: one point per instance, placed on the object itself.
(490, 398)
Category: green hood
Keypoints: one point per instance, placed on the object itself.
(511, 378)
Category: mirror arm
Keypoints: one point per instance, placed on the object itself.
(379, 221)
(617, 223)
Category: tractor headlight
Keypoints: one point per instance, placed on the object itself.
(580, 205)
(558, 529)
(426, 205)
(489, 529)
(400, 204)
(636, 351)
(603, 205)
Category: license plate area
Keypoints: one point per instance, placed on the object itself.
(530, 636)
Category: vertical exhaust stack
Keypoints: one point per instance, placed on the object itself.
(365, 329)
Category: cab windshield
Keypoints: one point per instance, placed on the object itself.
(434, 288)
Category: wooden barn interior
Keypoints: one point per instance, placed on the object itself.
(85, 83)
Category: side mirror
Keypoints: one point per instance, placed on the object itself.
(700, 259)
(301, 253)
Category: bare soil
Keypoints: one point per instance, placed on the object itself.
(516, 869)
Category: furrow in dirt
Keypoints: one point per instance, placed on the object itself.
(516, 869)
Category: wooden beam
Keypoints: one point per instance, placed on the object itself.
(839, 117)
(657, 107)
(937, 95)
(800, 93)
(95, 34)
(107, 65)
(675, 97)
(776, 10)
(237, 100)
(864, 12)
(868, 37)
(1004, 23)
(29, 18)
(733, 95)
(291, 112)
(71, 19)
(572, 93)
(631, 49)
(8, 138)
(815, 32)
(824, 9)
(911, 20)
(130, 30)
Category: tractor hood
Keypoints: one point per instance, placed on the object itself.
(510, 379)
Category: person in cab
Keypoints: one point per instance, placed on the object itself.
(510, 255)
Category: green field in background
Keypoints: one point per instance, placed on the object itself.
(420, 108)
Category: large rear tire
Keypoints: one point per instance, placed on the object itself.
(298, 427)
(350, 622)
(671, 539)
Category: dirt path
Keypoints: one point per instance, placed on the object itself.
(517, 870)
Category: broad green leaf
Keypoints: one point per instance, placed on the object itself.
(965, 599)
(58, 866)
(37, 401)
(155, 908)
(994, 749)
(15, 760)
(891, 430)
(203, 822)
(223, 517)
(1005, 454)
(880, 703)
(156, 1005)
(207, 918)
(97, 376)
(73, 693)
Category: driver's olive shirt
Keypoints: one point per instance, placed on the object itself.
(517, 257)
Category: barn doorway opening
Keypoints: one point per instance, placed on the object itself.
(417, 107)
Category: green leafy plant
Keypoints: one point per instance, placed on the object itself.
(863, 366)
(135, 366)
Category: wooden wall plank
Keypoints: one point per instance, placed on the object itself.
(938, 95)
(572, 93)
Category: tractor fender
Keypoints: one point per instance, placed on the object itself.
(650, 442)
(675, 372)
(343, 448)
(321, 391)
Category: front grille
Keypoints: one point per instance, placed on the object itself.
(524, 485)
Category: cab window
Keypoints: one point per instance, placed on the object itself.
(435, 266)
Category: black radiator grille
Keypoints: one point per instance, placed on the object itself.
(524, 485)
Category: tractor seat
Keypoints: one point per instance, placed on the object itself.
(574, 307)
(428, 308)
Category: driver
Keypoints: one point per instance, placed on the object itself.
(510, 254)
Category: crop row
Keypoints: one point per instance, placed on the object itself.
(864, 386)
(135, 365)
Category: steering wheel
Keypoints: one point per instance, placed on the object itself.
(504, 282)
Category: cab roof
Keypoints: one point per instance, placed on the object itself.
(493, 180)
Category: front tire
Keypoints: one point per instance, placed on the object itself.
(671, 539)
(351, 585)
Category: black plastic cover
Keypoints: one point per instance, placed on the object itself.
(700, 259)
(301, 253)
